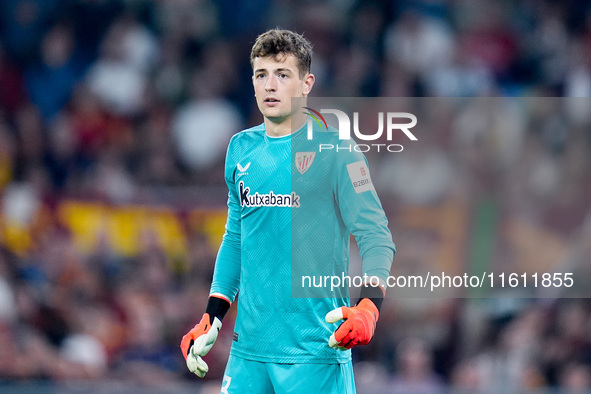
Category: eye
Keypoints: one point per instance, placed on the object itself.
(282, 75)
(259, 76)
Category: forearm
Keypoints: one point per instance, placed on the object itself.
(226, 276)
(377, 262)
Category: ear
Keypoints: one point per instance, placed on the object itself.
(308, 84)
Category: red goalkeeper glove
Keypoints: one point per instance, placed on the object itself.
(198, 342)
(200, 339)
(358, 327)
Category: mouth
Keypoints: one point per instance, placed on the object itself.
(271, 100)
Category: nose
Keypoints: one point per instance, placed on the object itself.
(271, 84)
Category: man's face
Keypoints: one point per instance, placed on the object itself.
(276, 80)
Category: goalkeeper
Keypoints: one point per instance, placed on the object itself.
(289, 212)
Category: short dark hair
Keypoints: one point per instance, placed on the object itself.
(275, 42)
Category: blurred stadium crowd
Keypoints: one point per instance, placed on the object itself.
(129, 103)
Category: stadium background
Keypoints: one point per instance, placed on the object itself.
(114, 119)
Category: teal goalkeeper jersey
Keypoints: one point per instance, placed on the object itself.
(291, 211)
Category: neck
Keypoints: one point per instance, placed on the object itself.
(282, 127)
(276, 128)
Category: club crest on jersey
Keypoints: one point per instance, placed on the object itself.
(303, 161)
(267, 200)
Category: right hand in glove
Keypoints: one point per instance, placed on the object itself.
(197, 343)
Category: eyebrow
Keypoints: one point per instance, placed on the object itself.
(258, 70)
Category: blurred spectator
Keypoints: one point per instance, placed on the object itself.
(462, 77)
(109, 178)
(23, 24)
(575, 378)
(577, 78)
(86, 352)
(487, 35)
(12, 85)
(20, 203)
(371, 377)
(119, 76)
(7, 310)
(202, 130)
(414, 370)
(146, 358)
(551, 40)
(8, 149)
(190, 21)
(158, 162)
(50, 81)
(421, 45)
(171, 75)
(426, 177)
(203, 126)
(87, 123)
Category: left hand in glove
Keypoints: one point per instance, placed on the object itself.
(358, 327)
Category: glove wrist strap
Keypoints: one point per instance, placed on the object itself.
(216, 307)
(374, 294)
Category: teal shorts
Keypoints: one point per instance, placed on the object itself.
(254, 377)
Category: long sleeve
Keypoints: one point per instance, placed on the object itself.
(363, 214)
(226, 276)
